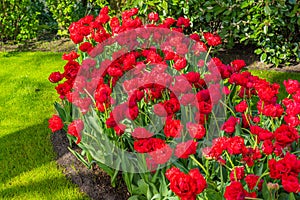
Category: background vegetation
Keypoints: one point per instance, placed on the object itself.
(272, 27)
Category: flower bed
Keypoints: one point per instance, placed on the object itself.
(149, 101)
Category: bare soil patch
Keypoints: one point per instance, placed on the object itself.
(56, 45)
(93, 182)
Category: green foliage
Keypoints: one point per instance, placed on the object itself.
(273, 26)
(18, 20)
(64, 12)
(47, 25)
(223, 17)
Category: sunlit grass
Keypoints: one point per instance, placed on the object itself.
(27, 166)
(278, 77)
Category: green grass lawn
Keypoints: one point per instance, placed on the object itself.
(27, 166)
(278, 77)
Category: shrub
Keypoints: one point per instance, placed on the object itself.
(47, 27)
(150, 102)
(272, 26)
(18, 20)
(67, 11)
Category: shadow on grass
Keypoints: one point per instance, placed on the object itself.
(27, 168)
(11, 54)
(40, 189)
(24, 151)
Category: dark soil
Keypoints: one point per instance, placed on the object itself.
(93, 182)
(55, 45)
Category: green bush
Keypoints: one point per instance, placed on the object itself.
(18, 20)
(67, 11)
(47, 24)
(272, 26)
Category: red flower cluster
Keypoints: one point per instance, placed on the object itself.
(229, 125)
(241, 107)
(285, 135)
(55, 123)
(153, 17)
(236, 190)
(249, 137)
(102, 97)
(291, 86)
(238, 65)
(186, 186)
(196, 131)
(253, 181)
(287, 170)
(75, 129)
(173, 128)
(234, 146)
(292, 110)
(237, 174)
(71, 70)
(55, 77)
(141, 133)
(185, 149)
(158, 150)
(277, 141)
(212, 39)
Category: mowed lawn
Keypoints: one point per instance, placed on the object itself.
(27, 161)
(277, 77)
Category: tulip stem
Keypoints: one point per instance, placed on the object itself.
(222, 179)
(214, 116)
(226, 167)
(272, 123)
(264, 174)
(149, 119)
(224, 104)
(200, 165)
(207, 54)
(228, 156)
